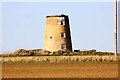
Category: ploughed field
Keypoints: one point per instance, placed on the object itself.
(60, 70)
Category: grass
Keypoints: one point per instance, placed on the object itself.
(34, 59)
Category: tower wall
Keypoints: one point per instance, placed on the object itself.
(57, 33)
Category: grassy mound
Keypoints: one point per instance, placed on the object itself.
(41, 52)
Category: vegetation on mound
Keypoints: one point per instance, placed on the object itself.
(41, 52)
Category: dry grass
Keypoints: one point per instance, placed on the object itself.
(61, 70)
(59, 59)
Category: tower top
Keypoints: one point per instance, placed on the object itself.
(62, 15)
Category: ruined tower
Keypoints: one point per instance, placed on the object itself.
(57, 33)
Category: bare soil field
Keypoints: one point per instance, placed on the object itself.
(60, 70)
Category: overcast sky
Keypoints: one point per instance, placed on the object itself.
(91, 24)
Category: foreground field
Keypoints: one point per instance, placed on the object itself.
(61, 70)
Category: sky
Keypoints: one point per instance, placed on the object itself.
(23, 24)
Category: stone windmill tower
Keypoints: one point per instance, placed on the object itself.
(57, 33)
